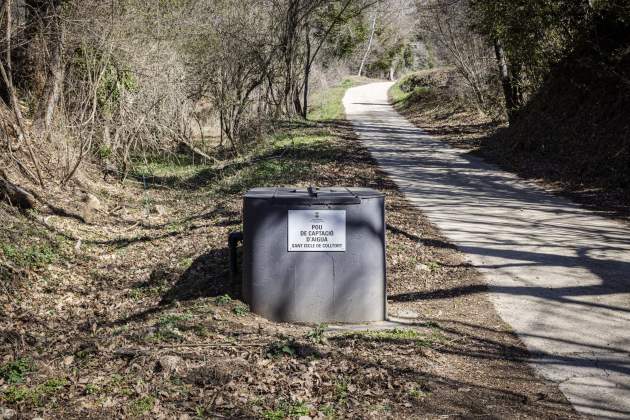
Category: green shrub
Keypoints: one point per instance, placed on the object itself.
(281, 348)
(33, 256)
(142, 405)
(316, 335)
(424, 79)
(223, 299)
(14, 372)
(240, 310)
(36, 395)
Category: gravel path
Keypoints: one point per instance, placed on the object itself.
(559, 274)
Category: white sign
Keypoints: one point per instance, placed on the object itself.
(317, 230)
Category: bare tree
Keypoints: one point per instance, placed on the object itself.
(369, 45)
(114, 81)
(445, 23)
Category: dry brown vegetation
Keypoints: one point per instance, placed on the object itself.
(435, 100)
(133, 314)
(98, 86)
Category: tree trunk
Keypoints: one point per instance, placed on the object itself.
(15, 195)
(7, 69)
(369, 46)
(307, 74)
(54, 84)
(511, 102)
(297, 104)
(5, 90)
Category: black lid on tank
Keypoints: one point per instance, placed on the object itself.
(312, 195)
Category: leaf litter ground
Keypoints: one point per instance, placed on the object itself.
(134, 314)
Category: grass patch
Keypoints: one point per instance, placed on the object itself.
(142, 405)
(328, 411)
(177, 165)
(397, 335)
(14, 372)
(172, 170)
(282, 161)
(397, 95)
(240, 310)
(341, 390)
(316, 335)
(92, 389)
(30, 256)
(281, 348)
(420, 87)
(285, 158)
(286, 409)
(35, 396)
(169, 327)
(327, 104)
(223, 299)
(174, 320)
(264, 173)
(433, 266)
(288, 157)
(404, 99)
(417, 393)
(141, 292)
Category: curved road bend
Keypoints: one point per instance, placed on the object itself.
(558, 274)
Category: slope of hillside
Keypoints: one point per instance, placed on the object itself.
(576, 131)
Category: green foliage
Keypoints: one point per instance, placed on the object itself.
(91, 65)
(92, 389)
(417, 393)
(200, 411)
(37, 395)
(341, 390)
(287, 409)
(433, 265)
(399, 334)
(399, 56)
(168, 327)
(535, 34)
(327, 105)
(104, 152)
(299, 409)
(223, 299)
(116, 80)
(264, 173)
(298, 155)
(142, 405)
(409, 90)
(328, 411)
(14, 372)
(173, 320)
(143, 291)
(29, 256)
(422, 79)
(276, 414)
(284, 159)
(316, 335)
(240, 310)
(281, 348)
(348, 33)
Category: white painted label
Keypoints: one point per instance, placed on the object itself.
(317, 230)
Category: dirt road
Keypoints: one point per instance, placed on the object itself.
(559, 274)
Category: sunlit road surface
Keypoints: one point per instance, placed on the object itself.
(558, 274)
